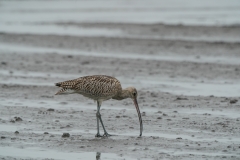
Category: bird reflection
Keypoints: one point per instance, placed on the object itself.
(98, 156)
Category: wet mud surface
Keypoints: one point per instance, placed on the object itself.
(176, 128)
(187, 79)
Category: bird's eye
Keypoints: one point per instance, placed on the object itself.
(134, 93)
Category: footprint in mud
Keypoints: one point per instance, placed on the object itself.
(44, 96)
(51, 110)
(43, 112)
(42, 103)
(18, 103)
(181, 98)
(64, 103)
(16, 119)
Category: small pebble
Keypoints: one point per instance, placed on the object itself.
(154, 94)
(4, 63)
(233, 101)
(65, 135)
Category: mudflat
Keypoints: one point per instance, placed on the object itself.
(187, 79)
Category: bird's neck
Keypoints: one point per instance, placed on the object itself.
(122, 95)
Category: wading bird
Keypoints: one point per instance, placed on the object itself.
(100, 88)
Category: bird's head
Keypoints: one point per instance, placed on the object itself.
(132, 93)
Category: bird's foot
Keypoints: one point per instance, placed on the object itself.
(106, 134)
(98, 135)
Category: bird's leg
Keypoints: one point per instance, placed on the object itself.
(98, 133)
(99, 116)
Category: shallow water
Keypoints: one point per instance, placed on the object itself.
(178, 87)
(4, 47)
(184, 136)
(58, 30)
(201, 153)
(48, 153)
(61, 30)
(27, 129)
(193, 12)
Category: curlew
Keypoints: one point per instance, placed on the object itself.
(100, 88)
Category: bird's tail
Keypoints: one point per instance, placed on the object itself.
(67, 87)
(61, 91)
(58, 84)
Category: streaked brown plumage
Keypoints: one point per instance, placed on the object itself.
(100, 88)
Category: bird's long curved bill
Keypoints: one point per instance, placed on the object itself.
(139, 116)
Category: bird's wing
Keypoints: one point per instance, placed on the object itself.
(92, 86)
(98, 86)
